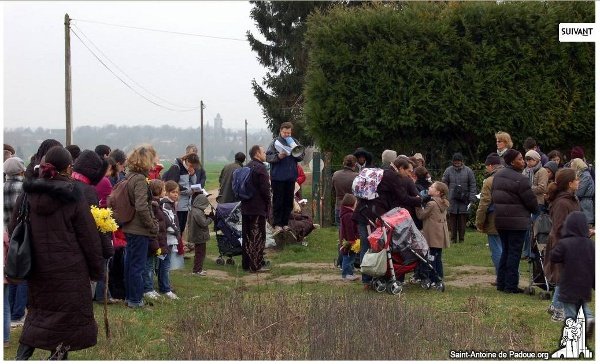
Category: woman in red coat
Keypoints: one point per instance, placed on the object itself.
(67, 254)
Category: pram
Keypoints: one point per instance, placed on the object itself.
(541, 228)
(406, 250)
(228, 229)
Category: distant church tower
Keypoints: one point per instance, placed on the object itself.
(218, 125)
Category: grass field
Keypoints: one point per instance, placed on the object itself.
(302, 310)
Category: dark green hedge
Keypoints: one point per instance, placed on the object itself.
(443, 77)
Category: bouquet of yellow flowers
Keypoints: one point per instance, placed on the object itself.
(104, 220)
(356, 246)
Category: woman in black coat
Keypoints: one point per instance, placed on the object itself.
(66, 255)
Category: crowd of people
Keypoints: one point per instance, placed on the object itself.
(519, 186)
(74, 260)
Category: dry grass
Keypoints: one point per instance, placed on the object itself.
(276, 326)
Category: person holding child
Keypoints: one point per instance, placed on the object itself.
(198, 233)
(435, 226)
(349, 236)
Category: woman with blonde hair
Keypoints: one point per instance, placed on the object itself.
(586, 190)
(143, 227)
(503, 142)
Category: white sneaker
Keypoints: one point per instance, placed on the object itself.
(351, 278)
(18, 323)
(202, 273)
(171, 295)
(152, 294)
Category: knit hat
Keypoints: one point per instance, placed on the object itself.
(493, 159)
(91, 165)
(457, 157)
(577, 152)
(14, 166)
(388, 156)
(510, 156)
(552, 165)
(419, 156)
(533, 154)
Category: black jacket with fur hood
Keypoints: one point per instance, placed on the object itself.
(67, 254)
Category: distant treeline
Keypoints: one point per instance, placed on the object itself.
(170, 142)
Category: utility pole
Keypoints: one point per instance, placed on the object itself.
(68, 99)
(246, 134)
(202, 133)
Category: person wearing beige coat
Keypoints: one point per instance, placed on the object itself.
(435, 226)
(538, 176)
(485, 218)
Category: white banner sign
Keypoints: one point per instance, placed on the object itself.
(577, 32)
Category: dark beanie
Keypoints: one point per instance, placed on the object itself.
(577, 152)
(552, 165)
(493, 159)
(510, 156)
(90, 165)
(457, 157)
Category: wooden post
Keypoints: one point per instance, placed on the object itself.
(202, 134)
(246, 135)
(327, 187)
(316, 193)
(68, 99)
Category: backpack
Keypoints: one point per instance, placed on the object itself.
(365, 184)
(242, 183)
(542, 226)
(120, 203)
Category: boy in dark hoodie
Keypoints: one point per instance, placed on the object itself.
(575, 250)
(349, 237)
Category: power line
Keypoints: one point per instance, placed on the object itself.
(120, 79)
(129, 77)
(161, 30)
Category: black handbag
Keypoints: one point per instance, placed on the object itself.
(19, 259)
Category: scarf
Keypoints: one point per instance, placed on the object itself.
(530, 172)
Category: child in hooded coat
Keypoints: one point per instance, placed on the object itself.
(198, 233)
(575, 250)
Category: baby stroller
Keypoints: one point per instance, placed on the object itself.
(541, 228)
(406, 249)
(228, 228)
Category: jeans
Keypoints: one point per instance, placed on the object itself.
(6, 315)
(199, 256)
(508, 269)
(136, 254)
(337, 216)
(164, 281)
(555, 302)
(436, 253)
(495, 244)
(337, 223)
(149, 275)
(572, 309)
(348, 264)
(364, 246)
(17, 300)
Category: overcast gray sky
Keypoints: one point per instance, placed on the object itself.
(180, 69)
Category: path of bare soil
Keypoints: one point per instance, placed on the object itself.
(463, 276)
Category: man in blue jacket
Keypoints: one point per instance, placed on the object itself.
(283, 176)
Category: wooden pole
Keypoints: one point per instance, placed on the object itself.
(202, 134)
(68, 99)
(246, 135)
